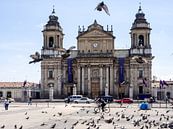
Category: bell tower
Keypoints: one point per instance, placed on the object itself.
(52, 34)
(140, 32)
(140, 72)
(51, 65)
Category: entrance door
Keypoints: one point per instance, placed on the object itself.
(95, 89)
(121, 91)
(140, 89)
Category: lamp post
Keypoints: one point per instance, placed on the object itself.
(51, 92)
(131, 91)
(74, 89)
(106, 89)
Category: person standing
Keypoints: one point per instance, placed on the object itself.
(68, 99)
(6, 103)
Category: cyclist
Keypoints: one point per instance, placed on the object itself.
(101, 103)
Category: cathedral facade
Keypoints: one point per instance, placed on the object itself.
(96, 67)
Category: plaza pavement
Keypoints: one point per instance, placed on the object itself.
(59, 115)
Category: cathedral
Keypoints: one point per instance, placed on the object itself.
(96, 67)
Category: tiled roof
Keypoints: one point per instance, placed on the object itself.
(15, 84)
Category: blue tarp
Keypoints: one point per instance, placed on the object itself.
(144, 106)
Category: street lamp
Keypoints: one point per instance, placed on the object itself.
(106, 89)
(51, 92)
(74, 89)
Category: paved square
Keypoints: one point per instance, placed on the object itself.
(82, 116)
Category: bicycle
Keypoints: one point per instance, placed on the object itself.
(99, 108)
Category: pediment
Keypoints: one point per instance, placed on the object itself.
(95, 33)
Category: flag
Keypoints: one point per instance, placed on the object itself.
(145, 82)
(161, 84)
(165, 83)
(24, 83)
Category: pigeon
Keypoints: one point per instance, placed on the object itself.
(36, 58)
(3, 126)
(53, 126)
(43, 124)
(75, 123)
(109, 120)
(21, 127)
(59, 113)
(67, 52)
(167, 111)
(103, 6)
(27, 117)
(139, 59)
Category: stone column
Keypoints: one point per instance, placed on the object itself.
(63, 80)
(60, 77)
(45, 77)
(107, 77)
(57, 78)
(89, 80)
(115, 82)
(83, 74)
(131, 80)
(111, 80)
(78, 79)
(101, 79)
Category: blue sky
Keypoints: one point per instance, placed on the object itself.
(22, 22)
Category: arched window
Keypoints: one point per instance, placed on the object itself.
(50, 74)
(51, 42)
(141, 40)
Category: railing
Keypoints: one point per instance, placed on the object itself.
(101, 54)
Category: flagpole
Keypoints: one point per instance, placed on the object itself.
(161, 85)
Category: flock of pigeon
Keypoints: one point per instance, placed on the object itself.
(84, 117)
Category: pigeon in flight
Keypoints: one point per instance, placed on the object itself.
(67, 52)
(36, 58)
(103, 6)
(139, 59)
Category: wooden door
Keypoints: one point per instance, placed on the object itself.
(95, 89)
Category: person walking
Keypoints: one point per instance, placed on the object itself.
(29, 101)
(6, 103)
